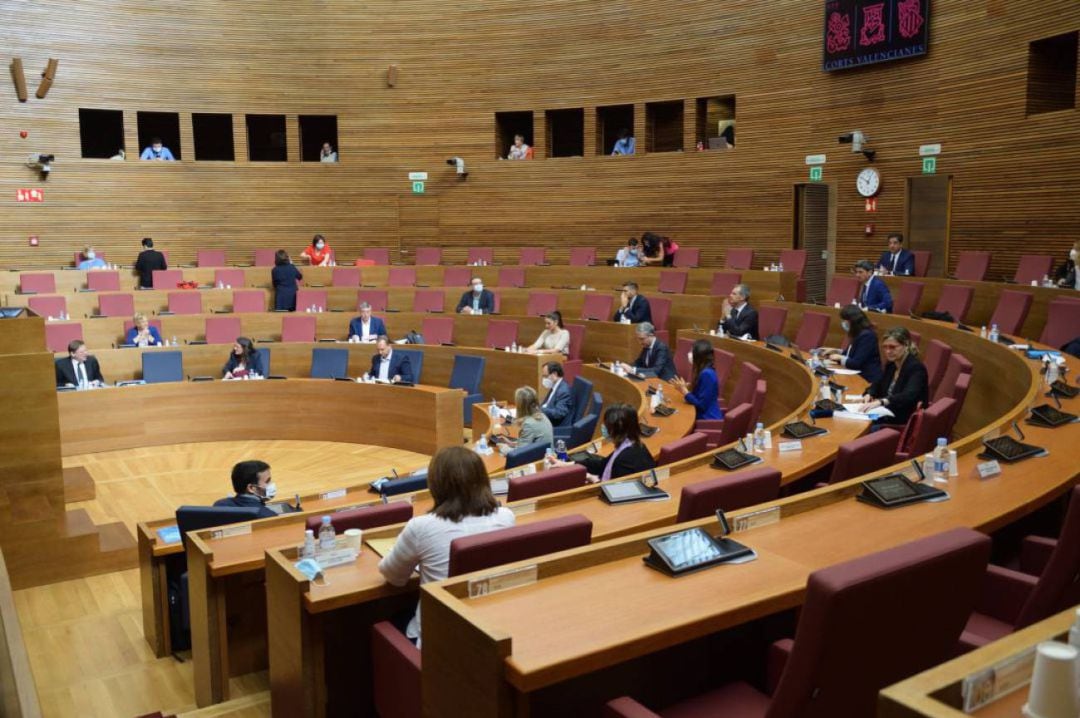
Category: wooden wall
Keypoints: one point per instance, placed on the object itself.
(1017, 178)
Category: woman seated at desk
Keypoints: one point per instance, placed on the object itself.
(630, 455)
(142, 334)
(862, 353)
(464, 505)
(904, 383)
(244, 361)
(703, 391)
(532, 423)
(318, 253)
(554, 339)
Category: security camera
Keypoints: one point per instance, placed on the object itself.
(41, 163)
(856, 139)
(459, 165)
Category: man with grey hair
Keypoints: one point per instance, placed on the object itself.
(739, 318)
(655, 358)
(366, 328)
(873, 293)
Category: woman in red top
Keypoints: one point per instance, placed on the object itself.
(318, 252)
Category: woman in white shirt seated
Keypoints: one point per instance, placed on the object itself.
(555, 339)
(464, 505)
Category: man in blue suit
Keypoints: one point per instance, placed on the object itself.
(558, 405)
(366, 328)
(633, 308)
(389, 365)
(873, 294)
(477, 300)
(897, 260)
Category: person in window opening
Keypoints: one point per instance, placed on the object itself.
(78, 368)
(728, 135)
(896, 259)
(120, 155)
(318, 253)
(327, 153)
(90, 259)
(253, 485)
(149, 259)
(157, 151)
(284, 277)
(142, 334)
(476, 300)
(703, 390)
(630, 455)
(630, 255)
(625, 145)
(555, 339)
(244, 361)
(861, 353)
(519, 150)
(903, 385)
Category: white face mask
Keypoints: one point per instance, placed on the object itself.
(845, 325)
(547, 382)
(477, 288)
(690, 358)
(269, 491)
(319, 245)
(91, 254)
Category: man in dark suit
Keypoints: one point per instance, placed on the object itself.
(557, 405)
(655, 357)
(389, 365)
(78, 368)
(873, 294)
(897, 260)
(366, 328)
(633, 308)
(739, 317)
(477, 300)
(253, 486)
(148, 260)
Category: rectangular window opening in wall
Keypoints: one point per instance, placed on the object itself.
(101, 133)
(615, 124)
(664, 126)
(266, 138)
(164, 127)
(565, 132)
(318, 132)
(507, 126)
(213, 134)
(716, 122)
(1051, 81)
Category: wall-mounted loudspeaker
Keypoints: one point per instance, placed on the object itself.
(19, 78)
(391, 76)
(47, 78)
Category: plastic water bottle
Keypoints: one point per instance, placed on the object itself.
(941, 459)
(993, 336)
(1052, 373)
(174, 342)
(327, 535)
(781, 266)
(660, 393)
(220, 284)
(759, 438)
(482, 447)
(982, 332)
(560, 450)
(308, 549)
(824, 391)
(493, 410)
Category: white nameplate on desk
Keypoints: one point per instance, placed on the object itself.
(502, 581)
(764, 517)
(662, 474)
(1000, 679)
(400, 498)
(525, 470)
(236, 530)
(988, 468)
(336, 557)
(790, 446)
(528, 507)
(335, 494)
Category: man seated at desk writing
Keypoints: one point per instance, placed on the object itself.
(388, 365)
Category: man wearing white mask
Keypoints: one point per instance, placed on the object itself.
(477, 300)
(91, 260)
(157, 151)
(254, 486)
(1066, 275)
(558, 405)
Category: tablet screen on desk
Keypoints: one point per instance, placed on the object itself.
(686, 549)
(622, 490)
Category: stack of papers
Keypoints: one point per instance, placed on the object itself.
(852, 412)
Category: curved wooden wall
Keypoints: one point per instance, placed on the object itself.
(461, 62)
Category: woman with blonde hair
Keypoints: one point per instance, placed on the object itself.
(142, 334)
(533, 424)
(904, 384)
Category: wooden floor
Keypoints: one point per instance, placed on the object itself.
(84, 637)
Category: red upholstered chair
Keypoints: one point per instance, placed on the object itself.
(437, 330)
(377, 298)
(429, 300)
(739, 258)
(541, 303)
(1032, 268)
(813, 330)
(210, 257)
(758, 404)
(956, 300)
(345, 277)
(864, 455)
(116, 305)
(723, 361)
(722, 282)
(661, 310)
(185, 302)
(673, 282)
(729, 493)
(972, 266)
(498, 300)
(531, 256)
(687, 257)
(246, 301)
(511, 277)
(457, 276)
(684, 448)
(48, 306)
(379, 255)
(1045, 584)
(501, 333)
(298, 328)
(365, 517)
(721, 432)
(908, 298)
(600, 307)
(746, 384)
(229, 277)
(1011, 311)
(842, 291)
(922, 262)
(402, 277)
(481, 254)
(577, 342)
(794, 260)
(959, 394)
(771, 321)
(955, 365)
(222, 330)
(306, 298)
(683, 346)
(546, 482)
(582, 256)
(167, 278)
(428, 256)
(1062, 322)
(37, 283)
(843, 653)
(916, 338)
(924, 433)
(936, 359)
(103, 281)
(59, 335)
(265, 257)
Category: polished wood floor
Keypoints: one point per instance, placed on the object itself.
(84, 637)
